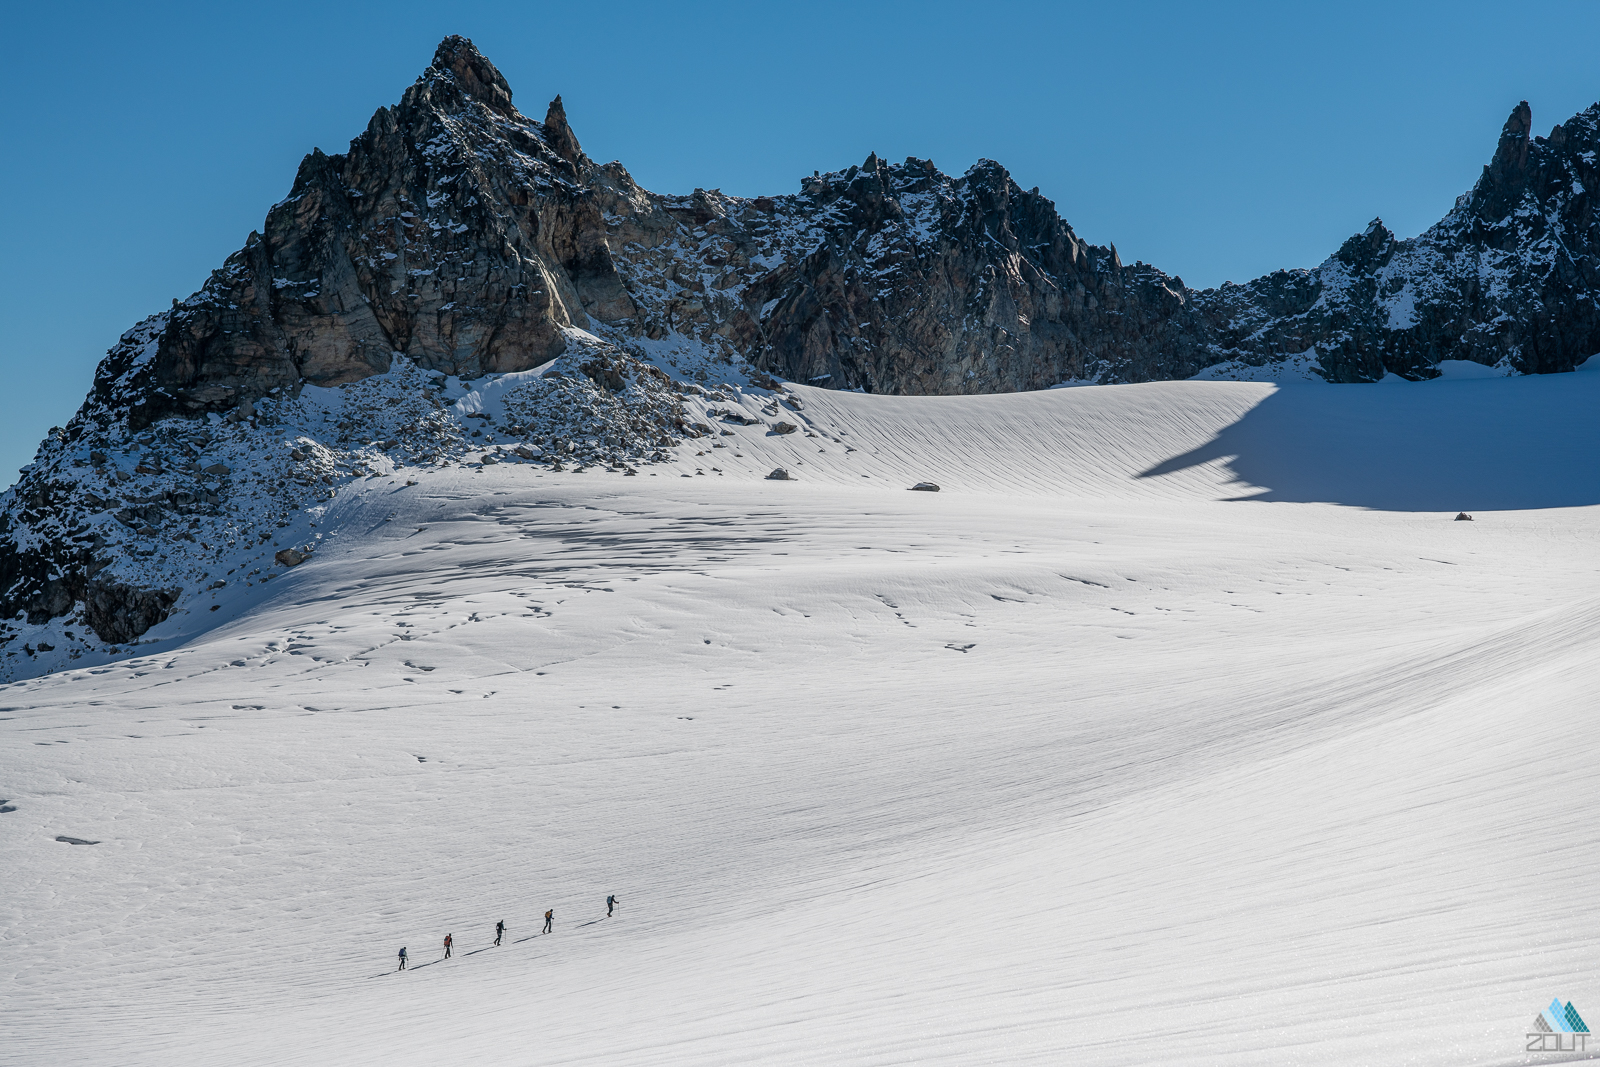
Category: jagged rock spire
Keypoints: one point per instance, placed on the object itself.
(474, 74)
(558, 134)
(1506, 176)
(1511, 156)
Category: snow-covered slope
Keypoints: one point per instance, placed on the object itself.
(116, 529)
(1083, 759)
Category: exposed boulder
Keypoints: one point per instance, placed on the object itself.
(119, 612)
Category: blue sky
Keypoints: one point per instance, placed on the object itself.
(1221, 141)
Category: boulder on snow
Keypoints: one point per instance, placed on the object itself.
(488, 459)
(219, 469)
(924, 487)
(784, 427)
(779, 475)
(528, 451)
(1462, 516)
(291, 557)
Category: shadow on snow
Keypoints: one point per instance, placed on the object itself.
(1490, 444)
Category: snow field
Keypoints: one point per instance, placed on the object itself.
(1066, 763)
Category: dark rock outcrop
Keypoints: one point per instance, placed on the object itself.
(120, 612)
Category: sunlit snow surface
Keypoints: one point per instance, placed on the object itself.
(1184, 726)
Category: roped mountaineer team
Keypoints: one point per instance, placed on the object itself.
(500, 930)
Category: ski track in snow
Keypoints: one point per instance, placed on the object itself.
(1084, 759)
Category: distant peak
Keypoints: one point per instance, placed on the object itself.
(473, 73)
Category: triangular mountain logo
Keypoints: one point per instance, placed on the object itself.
(1558, 1028)
(1563, 1020)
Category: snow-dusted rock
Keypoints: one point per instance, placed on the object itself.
(105, 550)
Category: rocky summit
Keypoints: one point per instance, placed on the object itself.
(458, 241)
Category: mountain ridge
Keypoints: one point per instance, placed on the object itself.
(886, 277)
(457, 238)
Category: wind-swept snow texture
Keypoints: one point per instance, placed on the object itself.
(1135, 744)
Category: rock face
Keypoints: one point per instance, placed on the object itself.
(458, 237)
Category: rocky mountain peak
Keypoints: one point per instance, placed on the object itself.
(473, 73)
